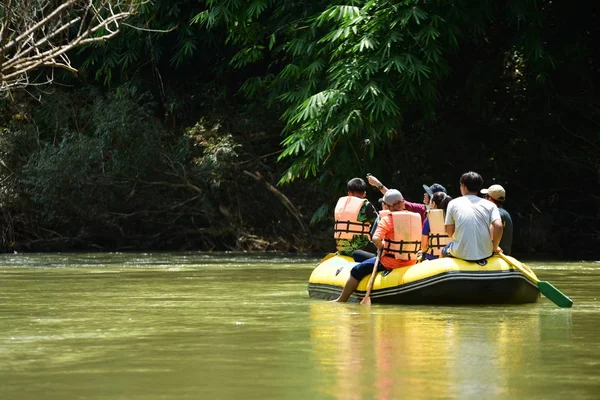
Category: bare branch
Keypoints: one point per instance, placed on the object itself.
(39, 34)
(29, 31)
(257, 176)
(3, 23)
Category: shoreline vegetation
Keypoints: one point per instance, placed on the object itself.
(235, 126)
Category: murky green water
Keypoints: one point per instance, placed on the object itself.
(199, 326)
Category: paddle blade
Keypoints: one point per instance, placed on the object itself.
(554, 294)
(366, 301)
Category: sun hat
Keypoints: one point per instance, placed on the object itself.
(391, 197)
(496, 192)
(436, 187)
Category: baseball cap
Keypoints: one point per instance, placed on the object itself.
(496, 192)
(436, 187)
(391, 196)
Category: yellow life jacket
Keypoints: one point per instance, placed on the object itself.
(438, 238)
(407, 236)
(346, 222)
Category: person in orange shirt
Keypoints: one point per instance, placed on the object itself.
(398, 236)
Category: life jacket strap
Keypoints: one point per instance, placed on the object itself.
(434, 241)
(352, 227)
(404, 247)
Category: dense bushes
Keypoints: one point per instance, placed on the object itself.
(100, 171)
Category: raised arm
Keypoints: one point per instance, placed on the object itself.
(373, 181)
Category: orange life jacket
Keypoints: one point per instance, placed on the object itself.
(438, 238)
(407, 236)
(383, 213)
(346, 222)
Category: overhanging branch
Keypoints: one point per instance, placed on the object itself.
(39, 34)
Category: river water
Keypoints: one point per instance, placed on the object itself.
(241, 326)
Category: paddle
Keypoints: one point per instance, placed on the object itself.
(545, 288)
(367, 300)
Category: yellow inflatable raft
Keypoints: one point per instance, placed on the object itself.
(441, 281)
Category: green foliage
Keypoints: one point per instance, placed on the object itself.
(67, 167)
(322, 214)
(158, 35)
(218, 155)
(118, 142)
(353, 70)
(102, 170)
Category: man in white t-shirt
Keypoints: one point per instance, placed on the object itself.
(468, 220)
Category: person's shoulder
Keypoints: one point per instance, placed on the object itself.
(477, 201)
(493, 210)
(461, 199)
(504, 212)
(385, 220)
(370, 208)
(491, 205)
(456, 201)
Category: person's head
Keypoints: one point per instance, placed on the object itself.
(470, 183)
(440, 200)
(430, 191)
(394, 200)
(495, 193)
(357, 187)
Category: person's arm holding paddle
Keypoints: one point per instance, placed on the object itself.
(367, 299)
(378, 242)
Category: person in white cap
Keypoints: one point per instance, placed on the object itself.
(400, 247)
(497, 195)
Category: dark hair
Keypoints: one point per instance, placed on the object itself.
(472, 180)
(441, 200)
(357, 185)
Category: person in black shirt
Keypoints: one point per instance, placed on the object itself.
(496, 194)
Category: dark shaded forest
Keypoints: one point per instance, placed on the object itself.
(234, 125)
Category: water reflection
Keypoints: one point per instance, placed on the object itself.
(397, 352)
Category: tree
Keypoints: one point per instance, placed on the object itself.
(39, 33)
(356, 69)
